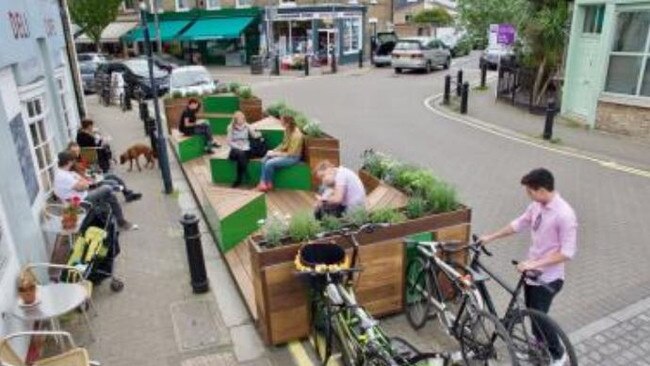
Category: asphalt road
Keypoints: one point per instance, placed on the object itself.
(385, 111)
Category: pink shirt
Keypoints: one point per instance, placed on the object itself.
(553, 228)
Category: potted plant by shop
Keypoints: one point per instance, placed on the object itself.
(70, 215)
(250, 105)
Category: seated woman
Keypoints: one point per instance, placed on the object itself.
(239, 139)
(188, 125)
(81, 167)
(348, 192)
(288, 153)
(88, 137)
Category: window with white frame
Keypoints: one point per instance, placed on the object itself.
(213, 4)
(66, 106)
(352, 35)
(629, 69)
(594, 16)
(130, 5)
(244, 3)
(35, 113)
(182, 5)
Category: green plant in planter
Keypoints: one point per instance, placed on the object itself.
(277, 109)
(356, 216)
(441, 197)
(416, 207)
(312, 129)
(331, 223)
(274, 229)
(245, 92)
(192, 94)
(303, 226)
(411, 179)
(234, 87)
(177, 94)
(387, 215)
(377, 164)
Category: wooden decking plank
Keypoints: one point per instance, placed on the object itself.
(244, 281)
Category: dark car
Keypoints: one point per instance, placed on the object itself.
(136, 76)
(87, 71)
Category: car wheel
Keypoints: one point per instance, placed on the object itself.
(447, 64)
(398, 70)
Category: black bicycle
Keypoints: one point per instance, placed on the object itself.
(536, 337)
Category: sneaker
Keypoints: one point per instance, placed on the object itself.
(133, 197)
(561, 361)
(128, 226)
(261, 187)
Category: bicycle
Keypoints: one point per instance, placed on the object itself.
(482, 337)
(530, 330)
(344, 323)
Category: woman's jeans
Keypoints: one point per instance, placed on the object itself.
(270, 164)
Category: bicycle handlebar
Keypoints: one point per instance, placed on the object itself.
(533, 275)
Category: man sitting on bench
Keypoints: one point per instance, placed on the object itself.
(189, 125)
(68, 184)
(348, 192)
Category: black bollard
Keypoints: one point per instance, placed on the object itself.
(150, 130)
(483, 75)
(550, 119)
(459, 82)
(463, 98)
(275, 70)
(360, 59)
(195, 253)
(306, 65)
(447, 94)
(333, 62)
(143, 107)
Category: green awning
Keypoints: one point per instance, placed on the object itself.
(169, 30)
(216, 28)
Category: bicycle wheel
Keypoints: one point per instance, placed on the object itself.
(484, 340)
(532, 332)
(379, 360)
(417, 288)
(347, 347)
(321, 330)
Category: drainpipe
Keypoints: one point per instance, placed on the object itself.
(72, 59)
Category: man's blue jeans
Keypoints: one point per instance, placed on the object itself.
(270, 164)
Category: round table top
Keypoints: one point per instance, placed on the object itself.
(53, 300)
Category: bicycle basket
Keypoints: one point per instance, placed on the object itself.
(321, 258)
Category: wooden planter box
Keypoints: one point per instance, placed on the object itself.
(252, 109)
(317, 149)
(173, 110)
(281, 297)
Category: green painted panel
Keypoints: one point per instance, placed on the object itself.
(190, 148)
(221, 103)
(273, 138)
(296, 177)
(411, 251)
(219, 125)
(242, 223)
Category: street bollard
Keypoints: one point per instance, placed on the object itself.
(483, 75)
(150, 130)
(143, 107)
(360, 59)
(195, 253)
(333, 62)
(459, 82)
(127, 100)
(447, 95)
(275, 70)
(463, 98)
(550, 119)
(306, 65)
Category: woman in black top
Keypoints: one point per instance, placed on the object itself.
(86, 138)
(189, 126)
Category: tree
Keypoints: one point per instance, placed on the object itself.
(477, 15)
(436, 17)
(93, 16)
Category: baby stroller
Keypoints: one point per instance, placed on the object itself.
(94, 252)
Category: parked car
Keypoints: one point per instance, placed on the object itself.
(92, 57)
(458, 44)
(136, 75)
(493, 54)
(384, 43)
(87, 71)
(168, 62)
(191, 79)
(420, 54)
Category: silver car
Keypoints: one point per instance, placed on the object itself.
(87, 71)
(420, 54)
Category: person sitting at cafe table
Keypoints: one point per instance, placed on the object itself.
(68, 184)
(81, 167)
(283, 156)
(348, 192)
(189, 125)
(89, 137)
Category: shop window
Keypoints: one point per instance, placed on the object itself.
(35, 114)
(287, 2)
(244, 3)
(594, 15)
(352, 35)
(182, 5)
(628, 71)
(213, 4)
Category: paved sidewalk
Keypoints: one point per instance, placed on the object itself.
(157, 320)
(484, 106)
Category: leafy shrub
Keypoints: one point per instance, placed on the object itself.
(312, 129)
(245, 92)
(441, 197)
(416, 207)
(303, 226)
(177, 94)
(356, 216)
(387, 215)
(377, 164)
(331, 223)
(276, 109)
(274, 229)
(234, 87)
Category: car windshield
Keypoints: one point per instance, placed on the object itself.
(386, 37)
(187, 78)
(408, 46)
(141, 68)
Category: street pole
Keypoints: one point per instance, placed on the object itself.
(163, 162)
(157, 26)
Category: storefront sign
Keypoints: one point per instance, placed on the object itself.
(502, 34)
(315, 15)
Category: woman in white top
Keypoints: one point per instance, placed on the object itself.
(239, 135)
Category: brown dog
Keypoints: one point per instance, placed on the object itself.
(134, 153)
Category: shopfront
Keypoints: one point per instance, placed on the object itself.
(316, 30)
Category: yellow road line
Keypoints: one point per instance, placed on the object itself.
(299, 354)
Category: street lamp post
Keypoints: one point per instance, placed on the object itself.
(161, 141)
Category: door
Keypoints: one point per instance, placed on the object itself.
(584, 89)
(434, 52)
(327, 42)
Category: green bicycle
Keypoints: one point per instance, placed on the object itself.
(339, 322)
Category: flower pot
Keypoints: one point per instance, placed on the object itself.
(69, 221)
(252, 109)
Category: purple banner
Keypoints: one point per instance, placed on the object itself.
(506, 34)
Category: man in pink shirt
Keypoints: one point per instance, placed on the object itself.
(553, 226)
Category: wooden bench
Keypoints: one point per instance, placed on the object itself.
(271, 129)
(385, 196)
(219, 122)
(187, 147)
